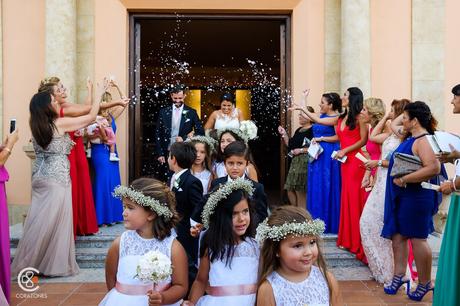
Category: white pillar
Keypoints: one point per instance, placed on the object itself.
(332, 46)
(61, 37)
(355, 46)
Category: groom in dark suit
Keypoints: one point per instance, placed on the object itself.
(175, 124)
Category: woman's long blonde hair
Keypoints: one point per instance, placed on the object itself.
(269, 262)
(376, 109)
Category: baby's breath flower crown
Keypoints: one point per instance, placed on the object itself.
(243, 135)
(279, 232)
(139, 198)
(222, 193)
(211, 142)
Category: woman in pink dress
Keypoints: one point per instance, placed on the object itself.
(5, 274)
(372, 112)
(352, 133)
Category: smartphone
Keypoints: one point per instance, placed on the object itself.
(12, 125)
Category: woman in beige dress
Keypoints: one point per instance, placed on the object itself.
(47, 243)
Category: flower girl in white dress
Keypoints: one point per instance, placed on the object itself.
(149, 217)
(229, 256)
(292, 269)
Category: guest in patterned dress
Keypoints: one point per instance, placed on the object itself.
(47, 243)
(296, 179)
(378, 250)
(292, 268)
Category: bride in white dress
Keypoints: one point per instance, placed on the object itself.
(227, 117)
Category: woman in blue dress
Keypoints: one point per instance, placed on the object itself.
(323, 187)
(409, 208)
(106, 173)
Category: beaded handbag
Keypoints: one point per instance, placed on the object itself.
(405, 164)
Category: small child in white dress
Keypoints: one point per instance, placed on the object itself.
(293, 271)
(149, 217)
(229, 256)
(201, 167)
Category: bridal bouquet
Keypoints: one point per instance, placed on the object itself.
(154, 266)
(249, 128)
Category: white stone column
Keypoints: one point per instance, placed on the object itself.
(60, 37)
(355, 46)
(332, 46)
(428, 29)
(85, 47)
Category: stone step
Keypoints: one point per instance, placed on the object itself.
(91, 250)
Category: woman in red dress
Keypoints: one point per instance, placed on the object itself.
(352, 133)
(83, 210)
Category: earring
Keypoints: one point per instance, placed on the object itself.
(277, 255)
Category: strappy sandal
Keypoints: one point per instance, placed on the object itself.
(396, 283)
(419, 293)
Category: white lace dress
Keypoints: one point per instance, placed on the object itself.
(204, 176)
(378, 250)
(227, 121)
(243, 271)
(313, 291)
(132, 247)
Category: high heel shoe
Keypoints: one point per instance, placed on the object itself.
(420, 291)
(396, 283)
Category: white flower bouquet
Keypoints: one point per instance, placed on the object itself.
(154, 266)
(249, 128)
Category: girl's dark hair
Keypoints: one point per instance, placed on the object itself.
(355, 105)
(422, 112)
(228, 97)
(208, 150)
(159, 191)
(42, 116)
(398, 106)
(269, 262)
(334, 99)
(220, 154)
(219, 240)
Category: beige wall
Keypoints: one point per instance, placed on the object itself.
(391, 47)
(23, 67)
(452, 62)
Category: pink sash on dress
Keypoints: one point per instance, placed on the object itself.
(231, 290)
(139, 289)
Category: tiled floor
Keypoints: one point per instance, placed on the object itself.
(355, 293)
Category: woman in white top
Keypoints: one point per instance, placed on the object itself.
(227, 117)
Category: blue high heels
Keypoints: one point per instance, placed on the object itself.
(420, 291)
(396, 283)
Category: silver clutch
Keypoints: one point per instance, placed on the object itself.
(405, 164)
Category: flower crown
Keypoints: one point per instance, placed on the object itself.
(247, 131)
(139, 198)
(211, 142)
(222, 193)
(279, 232)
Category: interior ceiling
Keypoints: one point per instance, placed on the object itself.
(234, 50)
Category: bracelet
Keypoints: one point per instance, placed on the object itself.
(453, 184)
(379, 164)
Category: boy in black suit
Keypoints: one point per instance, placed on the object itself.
(236, 158)
(189, 198)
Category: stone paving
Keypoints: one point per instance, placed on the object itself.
(354, 293)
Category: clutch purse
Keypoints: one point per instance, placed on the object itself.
(405, 164)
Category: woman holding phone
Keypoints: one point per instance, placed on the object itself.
(5, 151)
